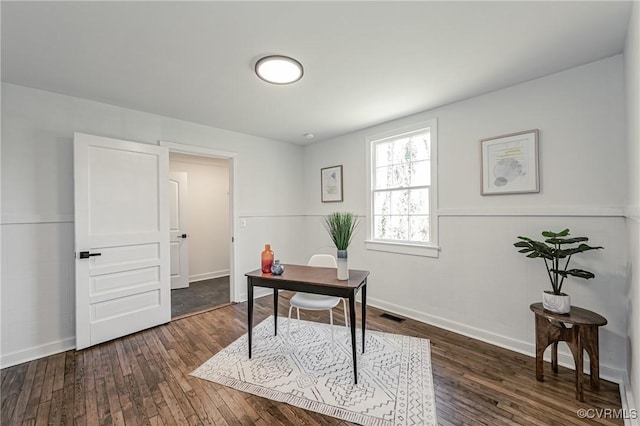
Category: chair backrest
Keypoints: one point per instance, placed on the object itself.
(323, 260)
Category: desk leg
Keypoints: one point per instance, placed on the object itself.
(275, 311)
(364, 311)
(352, 320)
(249, 312)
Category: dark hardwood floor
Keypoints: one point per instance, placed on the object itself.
(199, 297)
(143, 379)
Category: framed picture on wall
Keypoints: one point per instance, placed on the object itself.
(509, 164)
(331, 184)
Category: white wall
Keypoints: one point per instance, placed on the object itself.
(207, 214)
(480, 285)
(37, 205)
(632, 91)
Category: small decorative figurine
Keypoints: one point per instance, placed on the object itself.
(277, 268)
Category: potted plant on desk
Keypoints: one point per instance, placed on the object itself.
(341, 228)
(554, 250)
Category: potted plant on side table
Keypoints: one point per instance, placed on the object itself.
(554, 250)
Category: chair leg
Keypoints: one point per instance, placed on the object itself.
(289, 322)
(333, 344)
(346, 318)
(298, 313)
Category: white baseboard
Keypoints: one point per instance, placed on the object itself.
(37, 352)
(628, 404)
(208, 275)
(526, 348)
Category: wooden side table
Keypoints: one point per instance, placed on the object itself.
(551, 328)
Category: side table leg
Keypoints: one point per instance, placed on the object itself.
(541, 345)
(575, 344)
(554, 357)
(590, 342)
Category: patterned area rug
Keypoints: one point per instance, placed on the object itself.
(395, 385)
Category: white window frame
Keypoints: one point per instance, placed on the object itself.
(430, 249)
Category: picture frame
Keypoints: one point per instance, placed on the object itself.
(509, 164)
(331, 184)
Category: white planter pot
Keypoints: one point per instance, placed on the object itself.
(343, 267)
(557, 303)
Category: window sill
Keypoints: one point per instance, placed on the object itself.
(401, 248)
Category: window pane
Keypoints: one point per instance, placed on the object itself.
(400, 175)
(421, 173)
(419, 228)
(422, 146)
(401, 188)
(382, 227)
(384, 153)
(398, 151)
(400, 202)
(419, 201)
(383, 177)
(381, 203)
(392, 176)
(399, 228)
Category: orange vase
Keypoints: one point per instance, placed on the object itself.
(267, 259)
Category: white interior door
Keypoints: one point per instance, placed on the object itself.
(121, 238)
(178, 234)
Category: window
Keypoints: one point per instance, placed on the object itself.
(403, 191)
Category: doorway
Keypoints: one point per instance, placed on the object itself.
(206, 202)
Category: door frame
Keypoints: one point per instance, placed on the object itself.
(232, 157)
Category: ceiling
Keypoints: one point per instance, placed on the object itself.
(365, 62)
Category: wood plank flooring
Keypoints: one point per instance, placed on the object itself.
(143, 379)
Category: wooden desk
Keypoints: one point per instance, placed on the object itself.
(583, 335)
(316, 280)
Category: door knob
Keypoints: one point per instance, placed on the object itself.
(86, 254)
(183, 236)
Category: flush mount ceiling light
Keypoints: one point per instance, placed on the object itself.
(278, 69)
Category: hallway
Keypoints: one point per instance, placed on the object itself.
(200, 296)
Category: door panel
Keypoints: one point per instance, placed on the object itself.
(121, 224)
(178, 228)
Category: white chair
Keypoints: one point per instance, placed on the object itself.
(318, 302)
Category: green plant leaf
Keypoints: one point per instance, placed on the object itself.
(551, 252)
(341, 227)
(549, 234)
(579, 273)
(566, 240)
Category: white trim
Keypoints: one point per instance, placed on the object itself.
(37, 352)
(197, 150)
(399, 247)
(31, 218)
(257, 294)
(208, 276)
(613, 211)
(526, 348)
(632, 213)
(233, 201)
(254, 214)
(402, 248)
(627, 402)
